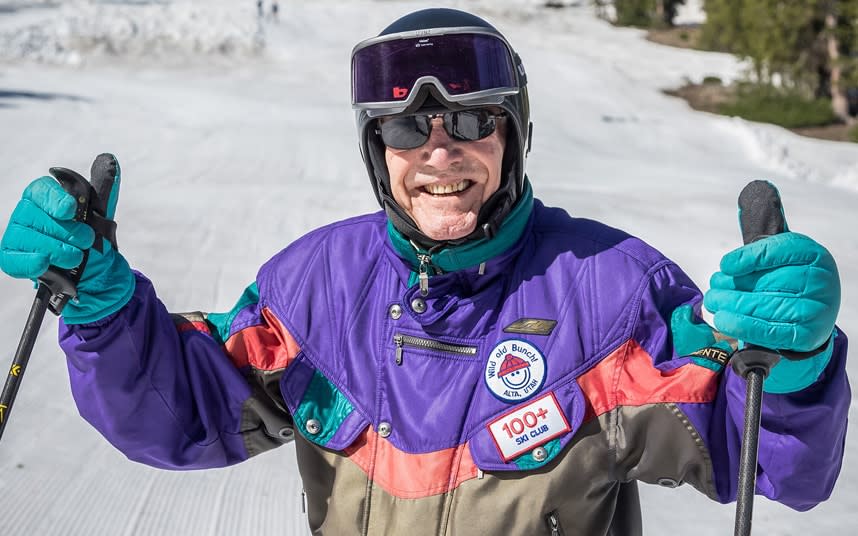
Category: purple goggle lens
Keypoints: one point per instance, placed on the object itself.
(386, 72)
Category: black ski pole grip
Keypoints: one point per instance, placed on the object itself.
(63, 283)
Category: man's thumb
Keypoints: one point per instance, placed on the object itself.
(761, 213)
(105, 179)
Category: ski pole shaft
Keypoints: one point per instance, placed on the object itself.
(752, 363)
(748, 457)
(22, 354)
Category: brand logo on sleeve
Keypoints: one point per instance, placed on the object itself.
(515, 370)
(714, 354)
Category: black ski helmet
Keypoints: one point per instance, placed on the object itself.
(417, 39)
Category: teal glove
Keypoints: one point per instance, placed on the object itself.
(42, 232)
(781, 292)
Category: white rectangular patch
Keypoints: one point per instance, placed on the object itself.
(525, 428)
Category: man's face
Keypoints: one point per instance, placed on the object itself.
(443, 183)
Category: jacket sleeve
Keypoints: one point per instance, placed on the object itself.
(687, 425)
(182, 391)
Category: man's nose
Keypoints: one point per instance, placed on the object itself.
(440, 148)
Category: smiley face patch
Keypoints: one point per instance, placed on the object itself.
(515, 370)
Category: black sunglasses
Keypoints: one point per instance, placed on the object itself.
(412, 131)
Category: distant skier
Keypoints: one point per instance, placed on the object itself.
(275, 11)
(467, 360)
(260, 8)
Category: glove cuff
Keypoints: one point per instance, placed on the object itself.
(795, 373)
(103, 294)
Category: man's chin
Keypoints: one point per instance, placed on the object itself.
(444, 230)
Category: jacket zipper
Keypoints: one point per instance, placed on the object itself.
(423, 273)
(425, 262)
(553, 522)
(429, 344)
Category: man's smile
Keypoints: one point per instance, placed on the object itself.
(445, 189)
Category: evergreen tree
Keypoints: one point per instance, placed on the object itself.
(723, 29)
(646, 13)
(803, 46)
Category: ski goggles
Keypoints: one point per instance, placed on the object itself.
(412, 131)
(464, 64)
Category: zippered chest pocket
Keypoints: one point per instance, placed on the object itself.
(433, 346)
(428, 385)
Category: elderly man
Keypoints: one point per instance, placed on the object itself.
(467, 361)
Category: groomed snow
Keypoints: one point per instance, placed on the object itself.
(236, 137)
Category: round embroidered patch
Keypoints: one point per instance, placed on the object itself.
(515, 370)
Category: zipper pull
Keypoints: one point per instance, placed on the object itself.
(303, 502)
(398, 340)
(423, 270)
(423, 274)
(424, 284)
(553, 524)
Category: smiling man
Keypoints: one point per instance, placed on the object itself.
(442, 184)
(467, 361)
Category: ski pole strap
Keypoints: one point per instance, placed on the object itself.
(63, 283)
(91, 208)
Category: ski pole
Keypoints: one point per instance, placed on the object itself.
(22, 354)
(760, 215)
(55, 288)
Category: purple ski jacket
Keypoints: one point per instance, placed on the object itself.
(542, 384)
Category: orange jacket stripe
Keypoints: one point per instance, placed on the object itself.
(193, 326)
(267, 346)
(411, 476)
(627, 377)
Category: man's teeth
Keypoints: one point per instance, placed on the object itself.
(438, 189)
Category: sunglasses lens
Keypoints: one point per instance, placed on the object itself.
(469, 125)
(406, 132)
(412, 131)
